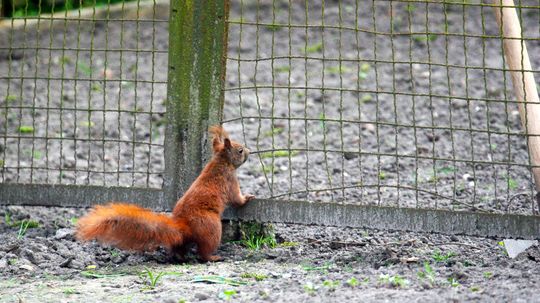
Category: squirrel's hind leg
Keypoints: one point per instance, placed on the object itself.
(208, 238)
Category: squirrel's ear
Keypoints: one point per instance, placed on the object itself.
(227, 143)
(216, 142)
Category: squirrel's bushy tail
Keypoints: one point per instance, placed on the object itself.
(130, 227)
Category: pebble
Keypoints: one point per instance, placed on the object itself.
(10, 247)
(460, 275)
(118, 259)
(66, 262)
(26, 267)
(29, 255)
(3, 263)
(75, 264)
(459, 103)
(271, 255)
(38, 247)
(63, 233)
(201, 296)
(432, 137)
(350, 155)
(369, 127)
(468, 177)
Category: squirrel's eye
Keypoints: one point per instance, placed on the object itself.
(241, 150)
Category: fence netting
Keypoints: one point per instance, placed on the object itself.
(82, 92)
(390, 103)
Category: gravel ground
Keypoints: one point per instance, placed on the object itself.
(309, 264)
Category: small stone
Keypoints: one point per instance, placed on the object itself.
(370, 127)
(38, 247)
(459, 103)
(201, 296)
(459, 275)
(3, 263)
(118, 259)
(468, 177)
(432, 137)
(424, 240)
(10, 247)
(26, 267)
(271, 255)
(66, 262)
(350, 155)
(29, 255)
(318, 99)
(63, 233)
(107, 73)
(76, 264)
(426, 285)
(409, 259)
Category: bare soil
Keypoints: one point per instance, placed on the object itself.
(309, 264)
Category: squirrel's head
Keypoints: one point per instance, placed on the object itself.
(233, 152)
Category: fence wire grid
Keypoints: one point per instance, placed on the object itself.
(82, 99)
(389, 103)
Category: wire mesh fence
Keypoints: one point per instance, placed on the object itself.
(82, 99)
(390, 103)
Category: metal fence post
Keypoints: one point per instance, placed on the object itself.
(196, 74)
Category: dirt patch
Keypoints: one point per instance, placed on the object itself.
(315, 264)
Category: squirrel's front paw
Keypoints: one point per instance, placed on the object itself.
(248, 198)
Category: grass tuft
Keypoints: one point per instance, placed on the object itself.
(255, 236)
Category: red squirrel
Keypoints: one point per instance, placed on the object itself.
(196, 218)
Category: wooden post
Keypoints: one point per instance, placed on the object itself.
(517, 59)
(197, 50)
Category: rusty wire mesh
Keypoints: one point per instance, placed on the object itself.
(390, 103)
(81, 96)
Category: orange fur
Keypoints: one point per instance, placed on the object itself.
(129, 227)
(196, 217)
(218, 131)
